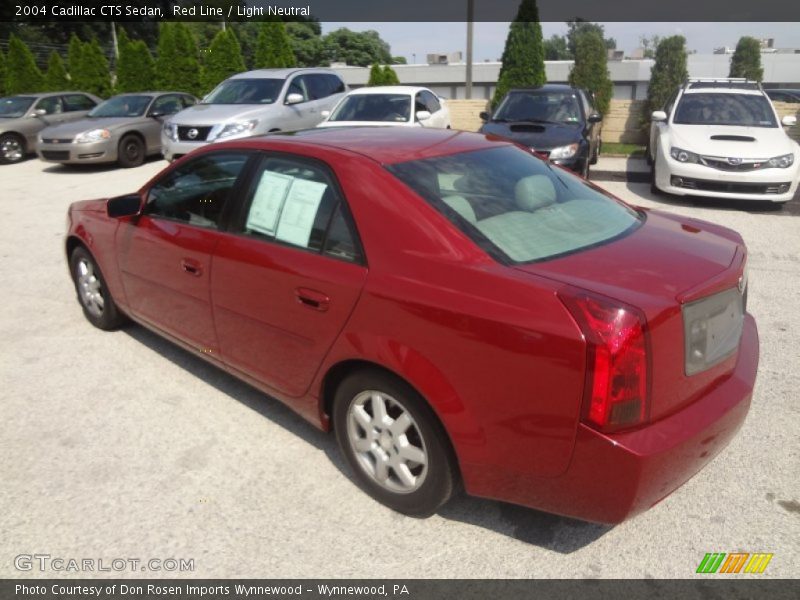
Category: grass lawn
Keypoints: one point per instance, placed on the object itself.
(611, 149)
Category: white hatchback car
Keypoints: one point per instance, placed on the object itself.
(722, 138)
(395, 106)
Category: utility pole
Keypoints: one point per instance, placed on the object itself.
(114, 39)
(470, 17)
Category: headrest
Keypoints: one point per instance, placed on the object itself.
(534, 192)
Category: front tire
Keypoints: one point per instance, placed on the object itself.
(131, 152)
(93, 295)
(12, 148)
(393, 442)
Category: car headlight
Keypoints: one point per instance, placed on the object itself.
(95, 135)
(237, 128)
(683, 156)
(781, 162)
(564, 151)
(171, 131)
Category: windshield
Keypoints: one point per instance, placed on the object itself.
(15, 107)
(245, 91)
(748, 110)
(540, 106)
(394, 108)
(515, 206)
(122, 106)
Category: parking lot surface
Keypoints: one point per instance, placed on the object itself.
(121, 445)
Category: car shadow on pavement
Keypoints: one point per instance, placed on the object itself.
(791, 208)
(552, 532)
(62, 169)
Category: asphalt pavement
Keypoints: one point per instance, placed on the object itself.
(121, 446)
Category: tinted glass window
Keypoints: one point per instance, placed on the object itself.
(340, 242)
(188, 101)
(292, 202)
(431, 102)
(167, 105)
(516, 206)
(670, 102)
(78, 102)
(725, 109)
(419, 103)
(52, 105)
(317, 86)
(373, 107)
(298, 86)
(540, 106)
(196, 193)
(335, 84)
(245, 91)
(12, 108)
(122, 106)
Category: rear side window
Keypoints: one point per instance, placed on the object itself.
(515, 206)
(295, 202)
(318, 86)
(431, 102)
(335, 84)
(78, 102)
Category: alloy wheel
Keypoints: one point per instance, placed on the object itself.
(11, 150)
(90, 288)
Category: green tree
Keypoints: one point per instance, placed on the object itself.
(2, 74)
(307, 45)
(74, 57)
(399, 60)
(376, 76)
(56, 80)
(576, 27)
(746, 60)
(359, 48)
(273, 48)
(649, 45)
(136, 69)
(556, 48)
(22, 74)
(224, 59)
(390, 76)
(93, 74)
(178, 65)
(591, 69)
(668, 72)
(523, 56)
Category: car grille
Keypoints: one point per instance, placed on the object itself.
(202, 133)
(57, 140)
(705, 185)
(723, 164)
(55, 154)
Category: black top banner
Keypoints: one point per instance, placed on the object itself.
(403, 11)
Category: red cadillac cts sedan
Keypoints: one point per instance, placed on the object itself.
(458, 311)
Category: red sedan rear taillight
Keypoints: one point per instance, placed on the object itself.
(618, 374)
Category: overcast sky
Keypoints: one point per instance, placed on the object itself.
(407, 39)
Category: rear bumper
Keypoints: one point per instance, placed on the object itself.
(614, 477)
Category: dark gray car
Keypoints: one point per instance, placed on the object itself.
(123, 129)
(23, 117)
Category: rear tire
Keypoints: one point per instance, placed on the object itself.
(393, 442)
(12, 148)
(131, 151)
(93, 295)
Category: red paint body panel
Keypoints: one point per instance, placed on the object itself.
(490, 347)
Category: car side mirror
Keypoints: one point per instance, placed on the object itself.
(157, 114)
(789, 121)
(658, 115)
(325, 114)
(595, 118)
(294, 99)
(39, 112)
(484, 116)
(129, 205)
(423, 115)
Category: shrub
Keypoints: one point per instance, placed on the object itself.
(523, 56)
(22, 74)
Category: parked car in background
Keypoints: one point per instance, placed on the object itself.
(253, 103)
(23, 117)
(558, 121)
(780, 95)
(394, 106)
(455, 308)
(124, 129)
(722, 138)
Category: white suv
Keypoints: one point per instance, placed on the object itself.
(721, 138)
(254, 103)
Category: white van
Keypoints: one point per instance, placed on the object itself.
(254, 103)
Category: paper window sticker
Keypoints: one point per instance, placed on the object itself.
(300, 211)
(268, 201)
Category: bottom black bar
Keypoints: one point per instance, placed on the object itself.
(703, 587)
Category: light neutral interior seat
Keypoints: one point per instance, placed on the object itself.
(534, 192)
